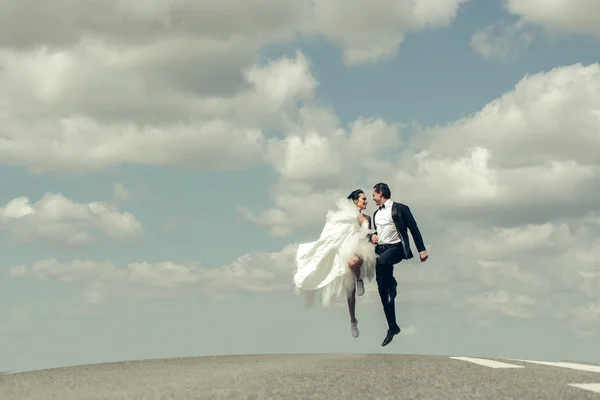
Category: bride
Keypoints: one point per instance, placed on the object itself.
(340, 260)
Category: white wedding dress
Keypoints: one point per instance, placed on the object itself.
(322, 265)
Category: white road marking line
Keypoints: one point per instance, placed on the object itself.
(579, 367)
(592, 387)
(487, 363)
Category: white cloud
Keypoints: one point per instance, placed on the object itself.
(92, 88)
(256, 272)
(522, 271)
(561, 16)
(318, 162)
(526, 126)
(104, 278)
(500, 40)
(235, 29)
(176, 83)
(506, 198)
(59, 220)
(51, 132)
(63, 23)
(502, 303)
(369, 32)
(533, 156)
(528, 157)
(484, 273)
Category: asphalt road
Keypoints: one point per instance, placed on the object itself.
(354, 376)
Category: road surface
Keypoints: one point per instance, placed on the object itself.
(318, 376)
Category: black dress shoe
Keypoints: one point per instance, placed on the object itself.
(390, 336)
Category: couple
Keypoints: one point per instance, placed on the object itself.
(353, 248)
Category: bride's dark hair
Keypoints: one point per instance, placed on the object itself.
(354, 195)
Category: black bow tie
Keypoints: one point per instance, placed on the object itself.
(381, 206)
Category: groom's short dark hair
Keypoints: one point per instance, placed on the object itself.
(384, 189)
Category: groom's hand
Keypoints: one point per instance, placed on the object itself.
(423, 256)
(374, 239)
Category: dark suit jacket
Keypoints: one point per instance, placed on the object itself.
(403, 219)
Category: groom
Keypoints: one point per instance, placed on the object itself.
(391, 221)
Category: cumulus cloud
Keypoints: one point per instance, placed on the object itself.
(503, 303)
(515, 188)
(87, 88)
(64, 23)
(257, 272)
(177, 83)
(528, 157)
(59, 220)
(518, 272)
(560, 16)
(46, 130)
(230, 30)
(501, 40)
(507, 198)
(317, 162)
(369, 32)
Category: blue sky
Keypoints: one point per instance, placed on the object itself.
(166, 194)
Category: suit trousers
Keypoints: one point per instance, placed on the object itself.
(386, 283)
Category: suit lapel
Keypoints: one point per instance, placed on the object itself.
(374, 224)
(395, 217)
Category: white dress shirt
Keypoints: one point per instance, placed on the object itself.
(386, 229)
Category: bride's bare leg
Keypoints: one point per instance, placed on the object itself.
(352, 310)
(354, 264)
(352, 306)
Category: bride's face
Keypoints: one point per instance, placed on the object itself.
(361, 202)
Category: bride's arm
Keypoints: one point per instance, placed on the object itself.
(369, 235)
(362, 218)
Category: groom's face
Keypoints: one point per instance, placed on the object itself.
(377, 199)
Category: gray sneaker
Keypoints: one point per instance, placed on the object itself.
(354, 328)
(360, 287)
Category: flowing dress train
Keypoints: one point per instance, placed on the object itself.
(322, 265)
